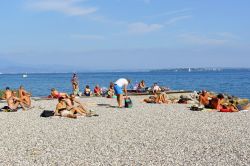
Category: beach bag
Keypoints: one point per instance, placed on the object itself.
(47, 113)
(128, 103)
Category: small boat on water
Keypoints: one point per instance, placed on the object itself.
(25, 75)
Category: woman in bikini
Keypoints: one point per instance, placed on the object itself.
(61, 109)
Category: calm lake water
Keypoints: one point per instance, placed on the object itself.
(234, 82)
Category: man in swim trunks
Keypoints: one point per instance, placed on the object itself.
(120, 86)
(24, 96)
(204, 98)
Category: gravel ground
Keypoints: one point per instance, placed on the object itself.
(147, 134)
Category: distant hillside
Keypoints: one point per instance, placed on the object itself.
(199, 69)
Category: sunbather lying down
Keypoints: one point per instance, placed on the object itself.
(160, 98)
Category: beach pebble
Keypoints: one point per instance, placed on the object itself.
(147, 134)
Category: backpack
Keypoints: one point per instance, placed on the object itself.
(128, 103)
(47, 113)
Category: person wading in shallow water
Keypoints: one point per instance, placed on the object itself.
(75, 84)
(119, 86)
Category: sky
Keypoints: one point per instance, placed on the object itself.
(86, 35)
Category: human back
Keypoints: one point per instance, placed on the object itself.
(122, 82)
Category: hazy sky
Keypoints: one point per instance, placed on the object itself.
(124, 34)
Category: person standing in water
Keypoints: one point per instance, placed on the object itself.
(120, 86)
(75, 84)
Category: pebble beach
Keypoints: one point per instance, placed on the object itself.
(146, 134)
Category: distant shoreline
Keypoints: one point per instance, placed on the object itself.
(184, 69)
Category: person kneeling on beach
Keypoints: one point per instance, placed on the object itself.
(61, 109)
(119, 86)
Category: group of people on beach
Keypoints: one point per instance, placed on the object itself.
(116, 88)
(16, 99)
(69, 106)
(98, 91)
(218, 102)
